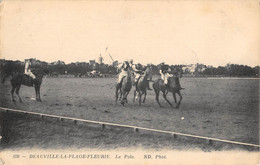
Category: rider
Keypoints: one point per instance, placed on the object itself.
(125, 70)
(27, 69)
(138, 71)
(165, 72)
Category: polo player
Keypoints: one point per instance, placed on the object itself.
(125, 70)
(27, 69)
(165, 72)
(138, 71)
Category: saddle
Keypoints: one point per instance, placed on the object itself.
(28, 79)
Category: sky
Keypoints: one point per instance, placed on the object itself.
(175, 32)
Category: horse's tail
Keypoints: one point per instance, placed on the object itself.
(3, 77)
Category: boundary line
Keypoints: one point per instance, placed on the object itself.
(129, 126)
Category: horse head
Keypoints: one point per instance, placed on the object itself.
(39, 72)
(174, 83)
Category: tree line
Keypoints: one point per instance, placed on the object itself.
(232, 70)
(83, 68)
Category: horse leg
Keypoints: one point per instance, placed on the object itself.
(157, 93)
(12, 92)
(144, 96)
(116, 93)
(36, 93)
(126, 97)
(134, 96)
(164, 96)
(140, 97)
(120, 94)
(37, 90)
(179, 103)
(17, 92)
(39, 95)
(174, 96)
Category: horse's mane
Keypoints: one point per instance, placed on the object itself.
(39, 72)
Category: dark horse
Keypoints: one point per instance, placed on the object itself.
(123, 88)
(19, 79)
(142, 85)
(174, 87)
(8, 68)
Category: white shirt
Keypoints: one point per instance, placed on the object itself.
(27, 65)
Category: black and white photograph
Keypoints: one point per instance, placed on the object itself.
(129, 82)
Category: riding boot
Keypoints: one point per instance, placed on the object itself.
(167, 87)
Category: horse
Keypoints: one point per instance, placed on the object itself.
(123, 88)
(19, 79)
(141, 85)
(174, 87)
(8, 68)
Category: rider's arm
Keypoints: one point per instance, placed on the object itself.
(134, 68)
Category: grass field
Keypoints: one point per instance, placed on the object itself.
(219, 108)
